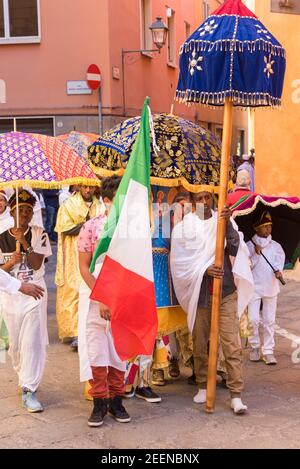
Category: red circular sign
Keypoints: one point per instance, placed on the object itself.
(93, 77)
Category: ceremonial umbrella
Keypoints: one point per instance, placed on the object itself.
(230, 60)
(79, 141)
(182, 152)
(41, 162)
(285, 213)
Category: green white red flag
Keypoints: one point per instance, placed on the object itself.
(126, 282)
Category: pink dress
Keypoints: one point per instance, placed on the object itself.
(95, 342)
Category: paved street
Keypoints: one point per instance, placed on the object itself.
(272, 394)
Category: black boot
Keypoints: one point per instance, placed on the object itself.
(99, 412)
(117, 410)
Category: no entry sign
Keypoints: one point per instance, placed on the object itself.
(93, 77)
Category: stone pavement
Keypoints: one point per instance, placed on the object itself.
(272, 395)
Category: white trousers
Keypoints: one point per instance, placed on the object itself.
(26, 321)
(268, 322)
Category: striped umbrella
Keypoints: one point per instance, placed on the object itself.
(79, 141)
(42, 162)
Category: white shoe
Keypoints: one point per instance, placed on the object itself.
(200, 397)
(237, 406)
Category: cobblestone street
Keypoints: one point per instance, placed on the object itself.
(272, 395)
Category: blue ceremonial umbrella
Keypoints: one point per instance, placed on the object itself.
(230, 60)
(232, 55)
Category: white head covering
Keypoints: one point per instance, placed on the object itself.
(243, 179)
(246, 157)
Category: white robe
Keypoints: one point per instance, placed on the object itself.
(9, 284)
(192, 252)
(26, 321)
(265, 282)
(95, 341)
(6, 221)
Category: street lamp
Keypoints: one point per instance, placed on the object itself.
(159, 32)
(159, 36)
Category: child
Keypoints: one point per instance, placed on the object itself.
(26, 317)
(266, 284)
(99, 362)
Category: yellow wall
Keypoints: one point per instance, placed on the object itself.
(277, 133)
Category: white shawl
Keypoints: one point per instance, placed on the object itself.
(192, 252)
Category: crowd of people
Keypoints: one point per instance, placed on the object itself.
(184, 269)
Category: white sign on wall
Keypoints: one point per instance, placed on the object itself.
(2, 92)
(78, 87)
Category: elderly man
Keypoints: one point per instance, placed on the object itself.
(248, 165)
(242, 188)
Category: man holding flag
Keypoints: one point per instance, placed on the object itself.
(125, 285)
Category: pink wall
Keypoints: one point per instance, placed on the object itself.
(36, 74)
(91, 31)
(77, 33)
(143, 75)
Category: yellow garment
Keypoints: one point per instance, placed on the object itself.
(170, 320)
(160, 355)
(185, 340)
(86, 391)
(67, 279)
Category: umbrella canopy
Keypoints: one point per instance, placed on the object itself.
(79, 141)
(285, 212)
(183, 153)
(40, 161)
(232, 55)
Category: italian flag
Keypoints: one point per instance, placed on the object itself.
(126, 283)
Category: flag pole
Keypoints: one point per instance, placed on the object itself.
(219, 261)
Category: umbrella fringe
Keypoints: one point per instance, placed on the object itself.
(280, 201)
(157, 181)
(239, 98)
(227, 45)
(36, 184)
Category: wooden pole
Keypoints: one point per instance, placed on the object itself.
(221, 233)
(18, 244)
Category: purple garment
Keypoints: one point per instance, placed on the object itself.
(248, 167)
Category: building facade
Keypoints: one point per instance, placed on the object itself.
(46, 47)
(276, 133)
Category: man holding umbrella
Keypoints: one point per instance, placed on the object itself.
(25, 317)
(193, 270)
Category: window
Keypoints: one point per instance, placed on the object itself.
(1, 19)
(240, 149)
(205, 9)
(171, 37)
(19, 21)
(187, 28)
(286, 6)
(37, 125)
(146, 21)
(219, 132)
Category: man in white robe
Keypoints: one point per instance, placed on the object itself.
(26, 317)
(193, 270)
(266, 288)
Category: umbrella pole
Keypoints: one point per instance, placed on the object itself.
(221, 233)
(18, 245)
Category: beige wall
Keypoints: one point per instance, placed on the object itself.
(277, 133)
